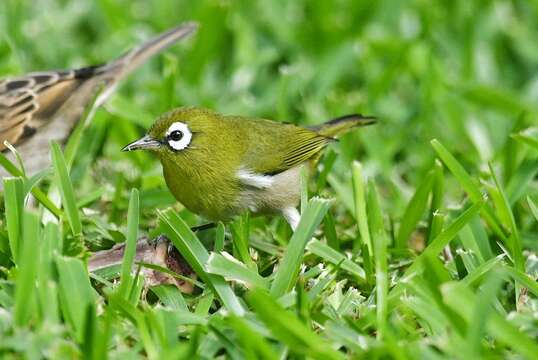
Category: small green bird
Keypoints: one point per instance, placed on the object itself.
(219, 166)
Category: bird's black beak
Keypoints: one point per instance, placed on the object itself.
(145, 143)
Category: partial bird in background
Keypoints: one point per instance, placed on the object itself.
(42, 106)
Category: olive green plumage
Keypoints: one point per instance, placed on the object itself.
(228, 164)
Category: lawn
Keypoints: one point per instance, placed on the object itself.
(418, 236)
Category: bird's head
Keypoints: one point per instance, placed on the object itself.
(177, 131)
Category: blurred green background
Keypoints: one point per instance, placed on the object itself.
(463, 72)
(459, 71)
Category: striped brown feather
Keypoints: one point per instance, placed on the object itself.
(28, 102)
(40, 107)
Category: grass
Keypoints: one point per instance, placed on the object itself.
(419, 239)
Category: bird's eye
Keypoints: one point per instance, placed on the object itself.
(178, 136)
(175, 135)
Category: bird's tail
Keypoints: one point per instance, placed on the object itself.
(113, 72)
(343, 124)
(133, 58)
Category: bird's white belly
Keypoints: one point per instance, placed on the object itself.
(267, 194)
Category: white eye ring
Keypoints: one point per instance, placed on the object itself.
(185, 139)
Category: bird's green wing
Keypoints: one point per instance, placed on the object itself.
(275, 147)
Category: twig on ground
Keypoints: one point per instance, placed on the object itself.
(158, 252)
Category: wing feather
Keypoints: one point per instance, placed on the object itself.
(16, 108)
(30, 101)
(21, 99)
(274, 147)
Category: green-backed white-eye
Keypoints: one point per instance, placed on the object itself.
(219, 166)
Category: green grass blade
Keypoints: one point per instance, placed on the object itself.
(514, 241)
(288, 269)
(328, 162)
(204, 303)
(523, 279)
(182, 317)
(533, 207)
(380, 241)
(459, 172)
(39, 195)
(437, 245)
(13, 200)
(336, 258)
(511, 335)
(482, 312)
(126, 280)
(436, 226)
(344, 193)
(449, 233)
(329, 226)
(48, 302)
(528, 137)
(482, 270)
(17, 156)
(90, 335)
(469, 242)
(252, 341)
(66, 190)
(521, 179)
(132, 313)
(25, 291)
(287, 328)
(171, 297)
(31, 182)
(241, 232)
(220, 235)
(468, 184)
(197, 256)
(9, 166)
(436, 218)
(414, 211)
(76, 293)
(359, 192)
(458, 297)
(481, 236)
(51, 246)
(230, 268)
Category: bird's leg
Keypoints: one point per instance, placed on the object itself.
(292, 216)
